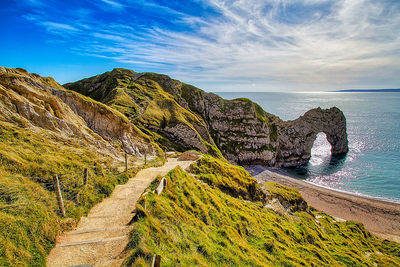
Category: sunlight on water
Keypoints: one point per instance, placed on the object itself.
(321, 150)
(372, 166)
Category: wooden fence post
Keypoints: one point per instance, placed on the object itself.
(156, 261)
(59, 195)
(126, 162)
(145, 157)
(85, 176)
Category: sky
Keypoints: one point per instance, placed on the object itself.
(217, 45)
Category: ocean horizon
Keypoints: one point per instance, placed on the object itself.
(371, 168)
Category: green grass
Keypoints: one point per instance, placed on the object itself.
(194, 224)
(233, 180)
(289, 197)
(28, 222)
(30, 157)
(29, 219)
(287, 193)
(213, 216)
(162, 110)
(148, 102)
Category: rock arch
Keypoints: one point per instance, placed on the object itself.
(297, 137)
(247, 135)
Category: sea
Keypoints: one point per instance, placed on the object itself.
(372, 166)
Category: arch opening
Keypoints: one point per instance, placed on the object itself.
(322, 162)
(321, 150)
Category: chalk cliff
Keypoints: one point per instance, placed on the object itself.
(39, 103)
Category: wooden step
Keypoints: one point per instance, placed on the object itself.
(94, 241)
(104, 221)
(94, 233)
(131, 186)
(98, 230)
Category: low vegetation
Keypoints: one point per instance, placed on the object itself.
(288, 197)
(147, 101)
(194, 224)
(29, 218)
(233, 180)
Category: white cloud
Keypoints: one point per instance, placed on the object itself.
(325, 45)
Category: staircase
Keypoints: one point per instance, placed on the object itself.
(101, 237)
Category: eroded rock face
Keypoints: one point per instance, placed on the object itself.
(103, 121)
(35, 102)
(297, 137)
(241, 130)
(247, 135)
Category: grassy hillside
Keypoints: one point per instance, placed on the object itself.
(40, 136)
(230, 179)
(147, 100)
(29, 219)
(194, 224)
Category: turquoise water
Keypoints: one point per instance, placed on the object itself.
(372, 166)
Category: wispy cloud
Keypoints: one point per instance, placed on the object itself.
(303, 44)
(58, 27)
(113, 4)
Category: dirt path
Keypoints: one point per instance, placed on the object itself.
(100, 237)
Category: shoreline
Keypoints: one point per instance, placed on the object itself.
(382, 199)
(287, 175)
(380, 217)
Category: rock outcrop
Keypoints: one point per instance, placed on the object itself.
(280, 196)
(181, 116)
(35, 102)
(107, 122)
(297, 137)
(248, 135)
(244, 133)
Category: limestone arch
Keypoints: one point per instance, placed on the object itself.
(298, 136)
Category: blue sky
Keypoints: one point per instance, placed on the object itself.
(217, 45)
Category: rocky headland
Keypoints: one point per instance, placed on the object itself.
(181, 116)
